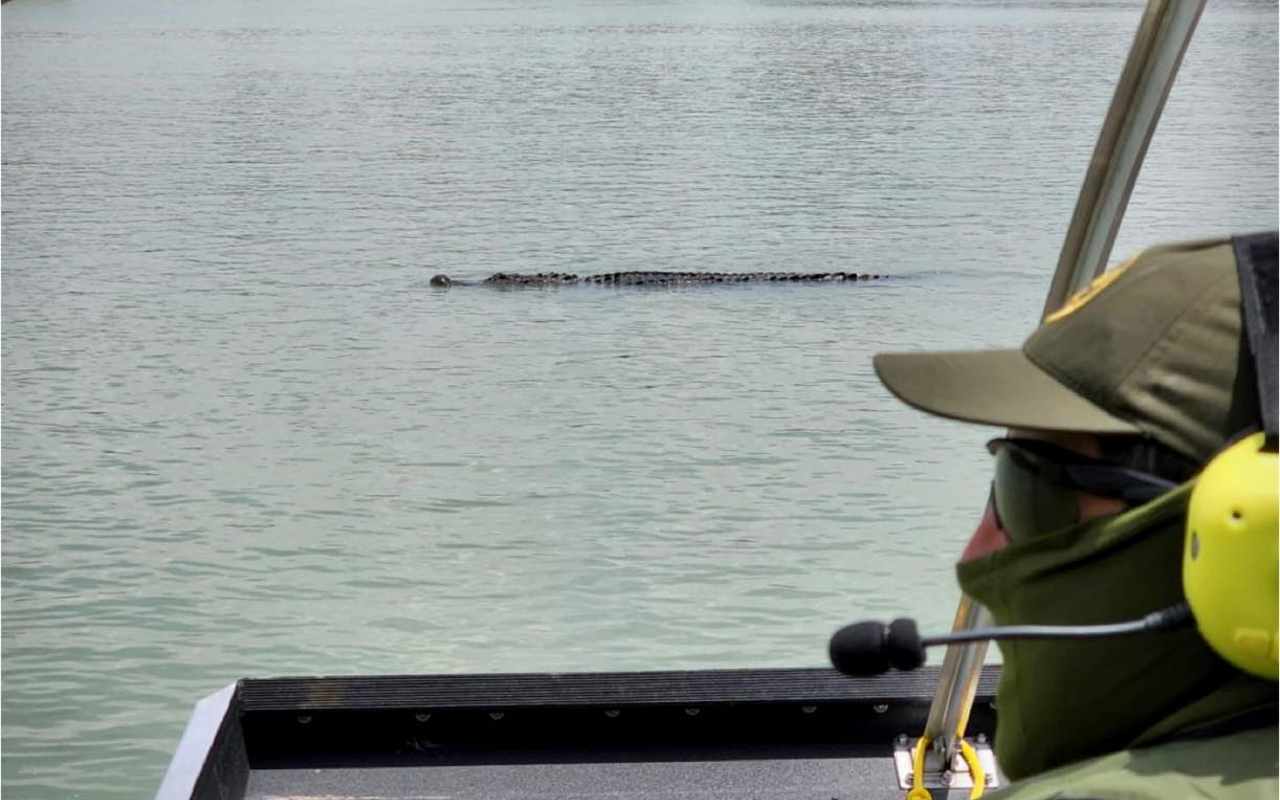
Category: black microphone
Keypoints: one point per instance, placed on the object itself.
(870, 648)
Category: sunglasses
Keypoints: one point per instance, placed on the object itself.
(1035, 485)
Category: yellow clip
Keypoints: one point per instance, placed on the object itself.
(918, 792)
(975, 769)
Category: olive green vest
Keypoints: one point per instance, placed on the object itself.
(1238, 766)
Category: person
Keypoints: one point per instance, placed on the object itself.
(1112, 406)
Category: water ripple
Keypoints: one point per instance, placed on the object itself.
(243, 436)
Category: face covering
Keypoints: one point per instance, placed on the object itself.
(1067, 700)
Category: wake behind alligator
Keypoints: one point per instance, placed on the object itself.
(505, 279)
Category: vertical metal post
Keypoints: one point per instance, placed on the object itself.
(1158, 46)
(957, 686)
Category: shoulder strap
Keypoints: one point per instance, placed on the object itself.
(1256, 263)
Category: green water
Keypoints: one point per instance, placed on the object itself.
(242, 436)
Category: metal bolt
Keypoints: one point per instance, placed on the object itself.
(303, 719)
(946, 778)
(981, 738)
(496, 715)
(422, 716)
(612, 713)
(693, 712)
(880, 708)
(903, 740)
(808, 709)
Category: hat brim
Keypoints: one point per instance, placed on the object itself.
(991, 387)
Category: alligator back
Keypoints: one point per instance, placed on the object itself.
(651, 278)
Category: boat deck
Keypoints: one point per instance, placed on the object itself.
(767, 734)
(862, 775)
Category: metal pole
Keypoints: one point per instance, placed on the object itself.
(957, 686)
(1158, 46)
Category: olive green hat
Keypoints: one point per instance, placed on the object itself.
(1153, 347)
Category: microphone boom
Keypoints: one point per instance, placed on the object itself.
(870, 648)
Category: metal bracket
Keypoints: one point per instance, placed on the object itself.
(957, 777)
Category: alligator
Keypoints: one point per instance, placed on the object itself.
(503, 279)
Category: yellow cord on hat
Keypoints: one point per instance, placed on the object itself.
(918, 792)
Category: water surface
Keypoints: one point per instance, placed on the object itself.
(242, 436)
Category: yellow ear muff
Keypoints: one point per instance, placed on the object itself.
(1229, 564)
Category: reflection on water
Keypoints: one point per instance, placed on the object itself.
(244, 437)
